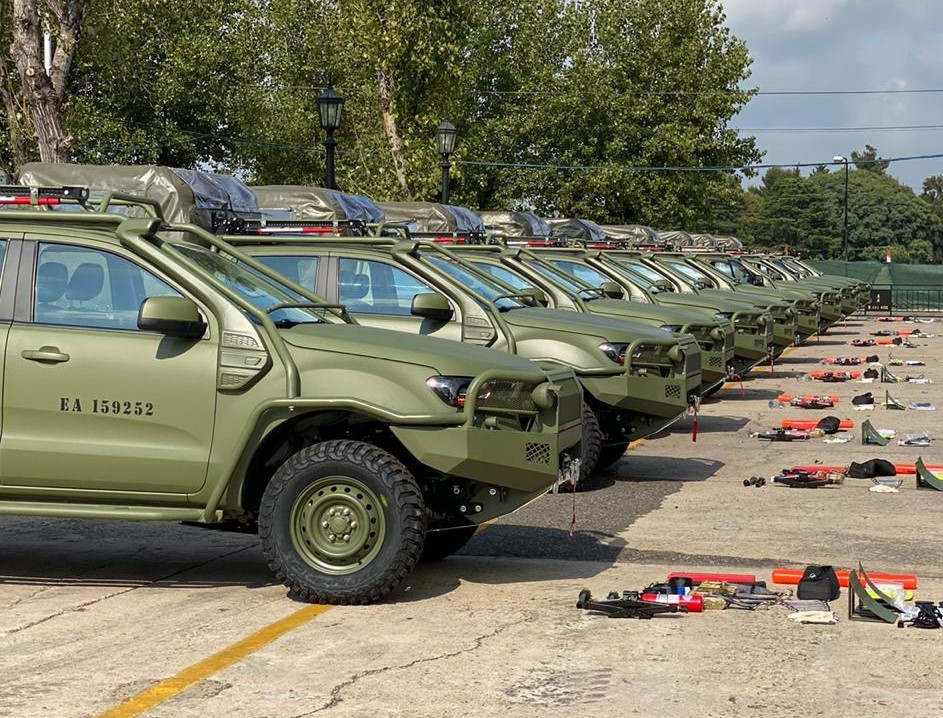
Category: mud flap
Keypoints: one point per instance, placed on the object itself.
(860, 601)
(870, 435)
(926, 479)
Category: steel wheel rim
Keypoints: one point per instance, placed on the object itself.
(337, 525)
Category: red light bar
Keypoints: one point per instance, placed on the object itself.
(6, 199)
(449, 240)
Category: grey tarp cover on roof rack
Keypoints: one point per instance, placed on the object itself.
(315, 203)
(515, 224)
(727, 243)
(576, 229)
(675, 238)
(702, 240)
(184, 195)
(433, 217)
(636, 233)
(5, 179)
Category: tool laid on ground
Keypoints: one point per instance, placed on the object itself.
(834, 376)
(844, 361)
(927, 476)
(792, 576)
(782, 435)
(757, 481)
(797, 479)
(920, 440)
(808, 401)
(628, 605)
(872, 436)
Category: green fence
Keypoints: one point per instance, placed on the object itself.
(913, 287)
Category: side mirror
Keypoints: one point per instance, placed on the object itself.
(612, 290)
(431, 305)
(537, 296)
(172, 316)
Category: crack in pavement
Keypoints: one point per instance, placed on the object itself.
(82, 606)
(336, 698)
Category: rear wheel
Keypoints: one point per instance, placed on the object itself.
(443, 543)
(342, 522)
(591, 443)
(608, 455)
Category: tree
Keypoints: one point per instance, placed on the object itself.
(44, 89)
(869, 160)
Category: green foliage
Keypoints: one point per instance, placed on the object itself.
(232, 84)
(807, 214)
(869, 160)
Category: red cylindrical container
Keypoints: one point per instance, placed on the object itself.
(694, 603)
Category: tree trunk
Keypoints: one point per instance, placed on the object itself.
(45, 92)
(13, 110)
(392, 134)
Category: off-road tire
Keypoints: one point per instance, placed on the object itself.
(608, 455)
(403, 519)
(591, 444)
(442, 544)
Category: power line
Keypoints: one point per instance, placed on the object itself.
(876, 128)
(683, 168)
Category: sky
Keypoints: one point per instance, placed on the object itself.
(844, 45)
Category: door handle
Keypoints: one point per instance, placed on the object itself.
(46, 355)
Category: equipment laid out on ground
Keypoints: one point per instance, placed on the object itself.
(627, 605)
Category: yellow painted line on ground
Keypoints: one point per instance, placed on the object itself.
(170, 687)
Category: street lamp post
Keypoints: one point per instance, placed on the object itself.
(844, 161)
(445, 135)
(330, 108)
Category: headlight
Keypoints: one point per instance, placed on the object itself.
(670, 328)
(450, 389)
(616, 352)
(723, 315)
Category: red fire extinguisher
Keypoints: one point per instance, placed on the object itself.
(693, 602)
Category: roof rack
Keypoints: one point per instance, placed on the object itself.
(281, 227)
(16, 194)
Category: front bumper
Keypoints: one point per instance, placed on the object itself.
(490, 450)
(648, 389)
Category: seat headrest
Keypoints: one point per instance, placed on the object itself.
(52, 278)
(86, 282)
(353, 286)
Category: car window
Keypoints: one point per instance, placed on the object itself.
(301, 270)
(84, 287)
(690, 272)
(556, 275)
(504, 275)
(372, 287)
(479, 284)
(581, 271)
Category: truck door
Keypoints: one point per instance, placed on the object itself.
(92, 403)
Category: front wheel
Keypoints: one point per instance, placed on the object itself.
(591, 443)
(342, 522)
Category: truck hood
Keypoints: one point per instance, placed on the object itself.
(645, 312)
(598, 326)
(700, 302)
(447, 358)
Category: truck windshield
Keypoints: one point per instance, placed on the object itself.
(478, 283)
(690, 272)
(253, 286)
(557, 276)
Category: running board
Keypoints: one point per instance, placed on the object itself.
(102, 511)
